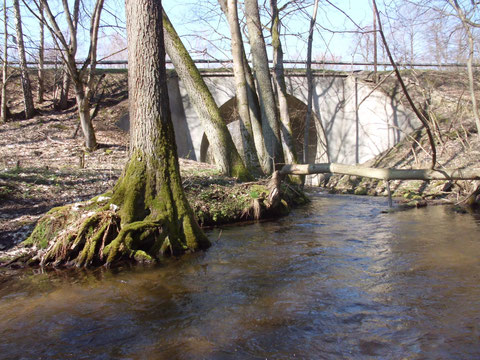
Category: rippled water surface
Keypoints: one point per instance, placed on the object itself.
(336, 279)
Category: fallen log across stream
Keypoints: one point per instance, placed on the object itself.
(386, 174)
(382, 174)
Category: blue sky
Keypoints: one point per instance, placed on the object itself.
(201, 28)
(187, 20)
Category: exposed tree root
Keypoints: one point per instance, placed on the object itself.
(92, 239)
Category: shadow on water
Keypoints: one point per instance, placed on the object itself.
(336, 279)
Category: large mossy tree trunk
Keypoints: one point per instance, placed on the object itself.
(147, 215)
(224, 151)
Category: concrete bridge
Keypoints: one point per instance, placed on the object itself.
(360, 122)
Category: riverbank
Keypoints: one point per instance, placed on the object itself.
(42, 165)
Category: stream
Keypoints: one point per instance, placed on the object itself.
(336, 279)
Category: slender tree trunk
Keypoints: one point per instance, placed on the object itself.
(288, 142)
(41, 51)
(3, 105)
(64, 89)
(224, 151)
(471, 49)
(306, 136)
(419, 115)
(81, 78)
(270, 124)
(249, 151)
(26, 85)
(83, 104)
(252, 99)
(471, 80)
(255, 116)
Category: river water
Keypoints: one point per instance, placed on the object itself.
(337, 279)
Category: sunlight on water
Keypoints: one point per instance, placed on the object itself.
(336, 279)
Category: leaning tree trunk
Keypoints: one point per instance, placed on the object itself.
(249, 151)
(147, 215)
(26, 85)
(224, 151)
(288, 142)
(270, 124)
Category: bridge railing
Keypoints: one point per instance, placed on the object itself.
(289, 64)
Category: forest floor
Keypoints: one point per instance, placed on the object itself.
(43, 164)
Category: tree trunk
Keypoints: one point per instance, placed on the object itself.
(419, 115)
(151, 185)
(249, 151)
(467, 26)
(26, 85)
(288, 142)
(3, 105)
(471, 81)
(83, 104)
(147, 215)
(255, 116)
(81, 78)
(64, 90)
(382, 174)
(41, 51)
(270, 124)
(224, 151)
(306, 137)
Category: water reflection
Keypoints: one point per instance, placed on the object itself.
(338, 279)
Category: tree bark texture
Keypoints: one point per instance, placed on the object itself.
(151, 188)
(26, 84)
(224, 151)
(270, 124)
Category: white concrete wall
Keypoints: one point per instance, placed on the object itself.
(352, 135)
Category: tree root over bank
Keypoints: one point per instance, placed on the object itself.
(69, 236)
(91, 233)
